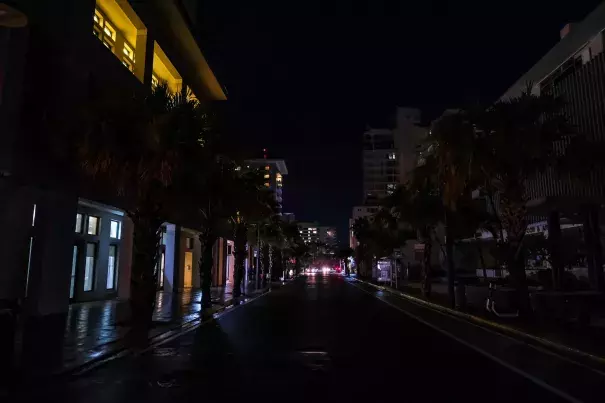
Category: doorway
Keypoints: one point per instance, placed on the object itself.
(188, 269)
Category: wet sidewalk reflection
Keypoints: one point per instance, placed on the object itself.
(93, 328)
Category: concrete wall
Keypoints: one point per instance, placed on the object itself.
(51, 256)
(16, 207)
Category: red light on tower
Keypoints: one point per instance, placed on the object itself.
(264, 153)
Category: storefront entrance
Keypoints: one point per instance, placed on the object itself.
(188, 270)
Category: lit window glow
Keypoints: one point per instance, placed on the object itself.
(115, 30)
(115, 229)
(91, 252)
(128, 52)
(93, 225)
(78, 223)
(112, 265)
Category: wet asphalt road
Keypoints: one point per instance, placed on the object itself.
(317, 339)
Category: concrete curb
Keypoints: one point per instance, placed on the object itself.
(498, 326)
(121, 351)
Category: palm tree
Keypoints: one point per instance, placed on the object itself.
(363, 252)
(296, 248)
(254, 204)
(417, 207)
(270, 232)
(213, 204)
(139, 147)
(496, 150)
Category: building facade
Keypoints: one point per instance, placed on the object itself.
(309, 231)
(274, 171)
(65, 243)
(574, 69)
(390, 154)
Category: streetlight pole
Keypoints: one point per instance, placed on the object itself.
(257, 274)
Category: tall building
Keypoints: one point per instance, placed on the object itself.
(390, 154)
(63, 243)
(309, 231)
(574, 70)
(273, 173)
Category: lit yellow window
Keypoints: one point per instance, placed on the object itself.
(267, 167)
(108, 44)
(267, 184)
(278, 177)
(98, 18)
(267, 176)
(115, 30)
(109, 31)
(128, 51)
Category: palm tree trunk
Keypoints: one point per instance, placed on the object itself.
(426, 269)
(207, 239)
(265, 260)
(275, 265)
(241, 238)
(143, 279)
(451, 269)
(514, 220)
(271, 252)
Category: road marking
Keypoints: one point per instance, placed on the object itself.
(518, 371)
(469, 320)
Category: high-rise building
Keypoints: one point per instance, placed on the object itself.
(390, 154)
(273, 171)
(309, 231)
(573, 70)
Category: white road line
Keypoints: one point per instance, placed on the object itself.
(537, 348)
(518, 371)
(487, 329)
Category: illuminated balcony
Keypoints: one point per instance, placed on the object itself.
(164, 71)
(118, 27)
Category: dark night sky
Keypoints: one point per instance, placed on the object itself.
(304, 77)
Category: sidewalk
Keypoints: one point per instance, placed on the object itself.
(94, 330)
